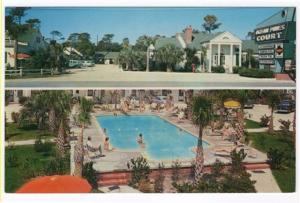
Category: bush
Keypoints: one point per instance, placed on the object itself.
(175, 170)
(55, 166)
(159, 181)
(275, 158)
(285, 126)
(15, 117)
(90, 174)
(40, 146)
(218, 69)
(140, 170)
(12, 160)
(256, 73)
(236, 69)
(264, 121)
(22, 100)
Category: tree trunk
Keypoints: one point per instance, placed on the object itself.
(78, 154)
(60, 140)
(16, 53)
(199, 156)
(271, 125)
(52, 120)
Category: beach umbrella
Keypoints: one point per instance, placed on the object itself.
(232, 104)
(56, 184)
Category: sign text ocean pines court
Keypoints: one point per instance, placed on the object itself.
(271, 33)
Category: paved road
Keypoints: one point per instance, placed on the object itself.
(112, 76)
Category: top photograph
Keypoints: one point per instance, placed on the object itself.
(150, 47)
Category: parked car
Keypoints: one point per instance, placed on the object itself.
(286, 106)
(75, 64)
(249, 104)
(88, 63)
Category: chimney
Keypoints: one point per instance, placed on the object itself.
(188, 34)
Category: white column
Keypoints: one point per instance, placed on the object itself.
(231, 58)
(219, 54)
(240, 55)
(210, 57)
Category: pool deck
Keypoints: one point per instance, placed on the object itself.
(116, 160)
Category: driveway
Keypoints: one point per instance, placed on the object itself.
(113, 76)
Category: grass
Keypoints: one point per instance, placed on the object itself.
(27, 164)
(13, 133)
(250, 124)
(285, 177)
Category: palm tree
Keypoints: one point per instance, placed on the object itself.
(169, 55)
(84, 119)
(272, 100)
(202, 115)
(63, 112)
(210, 23)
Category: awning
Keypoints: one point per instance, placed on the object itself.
(232, 104)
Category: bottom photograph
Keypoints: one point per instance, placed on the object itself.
(149, 141)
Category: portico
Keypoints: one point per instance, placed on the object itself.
(224, 50)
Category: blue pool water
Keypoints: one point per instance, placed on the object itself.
(164, 141)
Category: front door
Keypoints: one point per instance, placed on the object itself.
(228, 64)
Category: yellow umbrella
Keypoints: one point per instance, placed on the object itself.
(232, 104)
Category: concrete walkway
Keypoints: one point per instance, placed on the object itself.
(265, 181)
(25, 142)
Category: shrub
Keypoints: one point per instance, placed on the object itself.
(236, 160)
(159, 181)
(22, 100)
(40, 146)
(275, 158)
(175, 170)
(264, 121)
(55, 166)
(15, 117)
(285, 126)
(236, 69)
(12, 160)
(140, 170)
(256, 73)
(218, 69)
(90, 174)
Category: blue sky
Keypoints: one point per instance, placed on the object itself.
(134, 22)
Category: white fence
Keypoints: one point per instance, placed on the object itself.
(21, 72)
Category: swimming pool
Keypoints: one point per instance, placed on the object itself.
(164, 141)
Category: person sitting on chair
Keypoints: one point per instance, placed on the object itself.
(95, 152)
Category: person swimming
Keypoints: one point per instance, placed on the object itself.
(140, 139)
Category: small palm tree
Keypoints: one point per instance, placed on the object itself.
(84, 119)
(169, 55)
(202, 115)
(272, 100)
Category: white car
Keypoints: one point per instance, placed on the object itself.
(87, 64)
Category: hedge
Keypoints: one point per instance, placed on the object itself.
(218, 69)
(256, 73)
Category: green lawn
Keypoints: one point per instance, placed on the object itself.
(23, 163)
(250, 124)
(13, 133)
(285, 177)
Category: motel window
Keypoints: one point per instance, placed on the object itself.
(77, 91)
(90, 93)
(5, 57)
(181, 93)
(133, 93)
(20, 93)
(165, 92)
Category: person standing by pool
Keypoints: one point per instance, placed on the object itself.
(107, 145)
